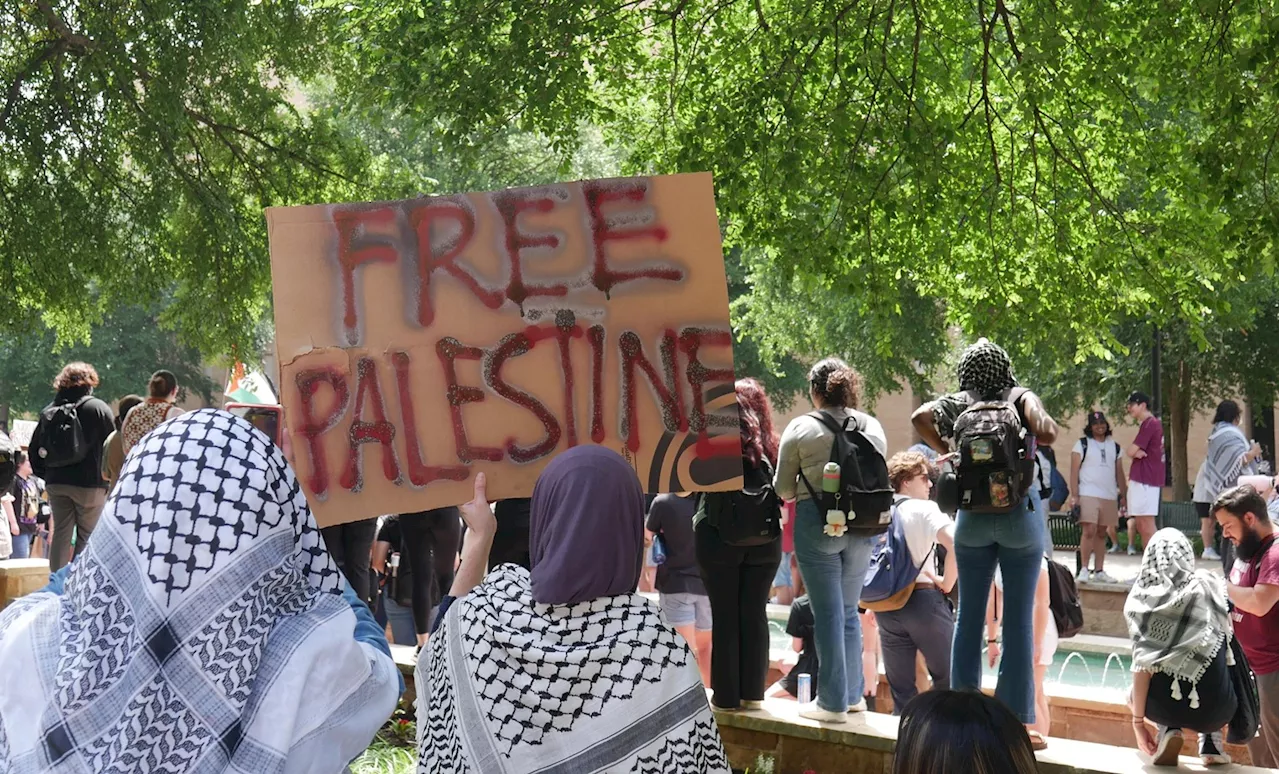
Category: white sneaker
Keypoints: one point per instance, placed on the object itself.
(861, 706)
(1211, 554)
(1132, 551)
(1212, 753)
(1168, 745)
(1100, 576)
(814, 712)
(1114, 549)
(1084, 576)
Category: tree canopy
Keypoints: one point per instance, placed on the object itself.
(1050, 160)
(1039, 171)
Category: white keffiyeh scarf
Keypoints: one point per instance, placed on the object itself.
(509, 686)
(202, 630)
(1177, 615)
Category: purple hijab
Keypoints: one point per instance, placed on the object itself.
(586, 528)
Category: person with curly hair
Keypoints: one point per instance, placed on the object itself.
(66, 451)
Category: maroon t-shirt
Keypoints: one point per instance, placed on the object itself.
(1150, 469)
(1259, 635)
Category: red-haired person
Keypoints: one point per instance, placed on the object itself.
(738, 578)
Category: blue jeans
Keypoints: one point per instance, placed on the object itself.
(1015, 541)
(1041, 507)
(401, 620)
(834, 570)
(21, 547)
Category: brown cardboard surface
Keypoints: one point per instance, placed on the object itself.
(591, 312)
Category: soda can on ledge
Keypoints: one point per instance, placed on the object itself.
(804, 688)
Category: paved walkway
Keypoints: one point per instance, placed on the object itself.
(1125, 568)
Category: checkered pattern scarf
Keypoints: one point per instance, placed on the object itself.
(1177, 615)
(510, 685)
(986, 369)
(201, 630)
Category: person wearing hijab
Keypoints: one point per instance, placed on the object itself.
(562, 666)
(1013, 541)
(205, 628)
(1178, 622)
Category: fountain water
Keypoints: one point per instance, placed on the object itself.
(1107, 666)
(1071, 655)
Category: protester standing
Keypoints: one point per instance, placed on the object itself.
(66, 451)
(1228, 457)
(834, 567)
(1014, 540)
(681, 594)
(159, 407)
(26, 506)
(925, 624)
(395, 568)
(738, 578)
(1254, 582)
(430, 540)
(1097, 489)
(1147, 473)
(351, 546)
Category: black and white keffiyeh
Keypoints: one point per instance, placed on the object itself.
(986, 369)
(1176, 614)
(510, 686)
(202, 630)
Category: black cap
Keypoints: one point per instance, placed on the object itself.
(1098, 418)
(1137, 396)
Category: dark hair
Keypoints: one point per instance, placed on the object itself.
(764, 439)
(162, 384)
(961, 732)
(19, 457)
(123, 408)
(76, 375)
(1241, 500)
(835, 383)
(1138, 396)
(1228, 411)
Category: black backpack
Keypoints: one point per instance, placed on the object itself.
(997, 463)
(1064, 601)
(865, 496)
(62, 436)
(751, 516)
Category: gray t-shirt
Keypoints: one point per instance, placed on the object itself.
(806, 447)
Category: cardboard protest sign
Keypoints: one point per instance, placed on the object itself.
(423, 341)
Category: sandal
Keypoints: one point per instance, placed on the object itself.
(1038, 741)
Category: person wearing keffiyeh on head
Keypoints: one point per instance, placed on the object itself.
(562, 666)
(1014, 540)
(205, 628)
(1178, 622)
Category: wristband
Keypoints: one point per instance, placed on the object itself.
(992, 642)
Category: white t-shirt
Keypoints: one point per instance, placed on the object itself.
(1098, 468)
(921, 521)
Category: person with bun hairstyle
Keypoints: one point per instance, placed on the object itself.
(834, 567)
(159, 407)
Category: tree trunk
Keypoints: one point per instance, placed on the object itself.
(4, 417)
(1178, 410)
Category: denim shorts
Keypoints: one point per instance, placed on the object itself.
(683, 609)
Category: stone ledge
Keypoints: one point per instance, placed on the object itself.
(779, 732)
(19, 577)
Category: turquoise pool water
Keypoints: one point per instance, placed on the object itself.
(1070, 667)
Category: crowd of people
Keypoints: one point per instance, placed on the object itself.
(534, 647)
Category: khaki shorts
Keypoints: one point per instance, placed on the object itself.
(1100, 511)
